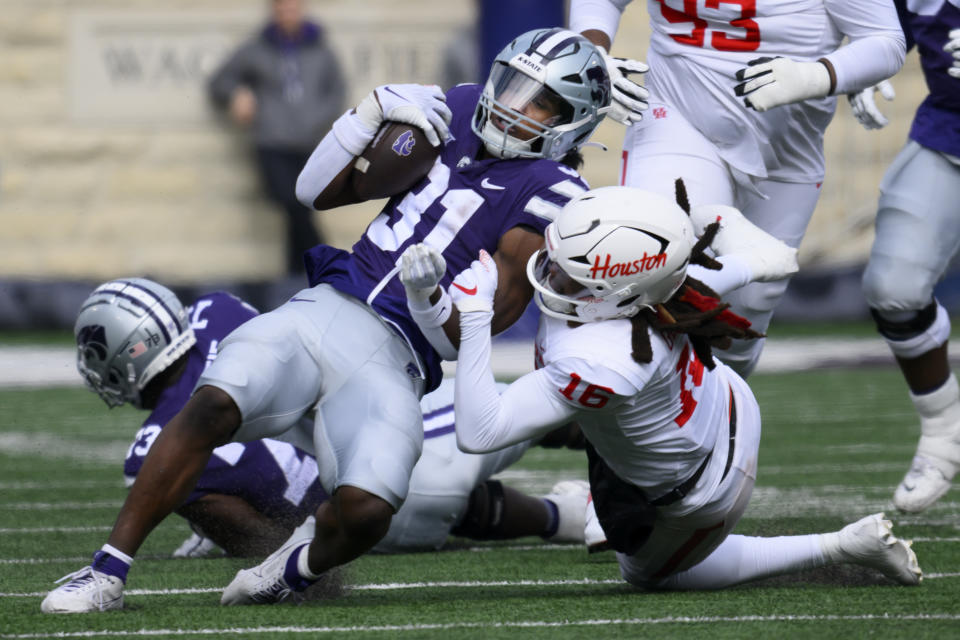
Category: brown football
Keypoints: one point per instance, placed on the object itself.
(397, 157)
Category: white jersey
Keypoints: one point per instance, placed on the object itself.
(652, 423)
(697, 46)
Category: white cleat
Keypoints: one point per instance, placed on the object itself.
(767, 257)
(87, 590)
(197, 546)
(264, 583)
(869, 542)
(594, 536)
(924, 484)
(570, 496)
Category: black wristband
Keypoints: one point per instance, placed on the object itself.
(833, 74)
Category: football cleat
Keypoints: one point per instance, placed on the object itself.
(87, 590)
(593, 534)
(570, 496)
(197, 546)
(869, 542)
(925, 483)
(937, 458)
(266, 583)
(767, 257)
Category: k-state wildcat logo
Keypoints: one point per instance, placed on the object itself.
(93, 340)
(404, 143)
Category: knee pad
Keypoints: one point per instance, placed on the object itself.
(923, 331)
(892, 289)
(484, 517)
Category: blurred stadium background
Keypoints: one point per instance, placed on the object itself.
(112, 162)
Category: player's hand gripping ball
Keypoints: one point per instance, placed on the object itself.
(395, 160)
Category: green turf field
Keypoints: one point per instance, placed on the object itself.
(835, 444)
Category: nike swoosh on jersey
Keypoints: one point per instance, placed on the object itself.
(469, 292)
(486, 184)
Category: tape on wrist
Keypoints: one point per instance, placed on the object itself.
(432, 315)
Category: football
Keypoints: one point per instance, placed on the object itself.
(397, 157)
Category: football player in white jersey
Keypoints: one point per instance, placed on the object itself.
(624, 348)
(740, 94)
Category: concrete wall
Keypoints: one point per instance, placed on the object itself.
(112, 162)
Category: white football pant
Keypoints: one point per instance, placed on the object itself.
(917, 230)
(327, 350)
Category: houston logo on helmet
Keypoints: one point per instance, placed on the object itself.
(646, 262)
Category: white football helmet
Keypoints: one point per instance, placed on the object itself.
(610, 252)
(127, 332)
(552, 68)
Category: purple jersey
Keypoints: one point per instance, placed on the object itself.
(936, 124)
(276, 478)
(461, 206)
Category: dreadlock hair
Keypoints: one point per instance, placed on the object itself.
(695, 309)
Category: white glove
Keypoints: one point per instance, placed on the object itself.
(865, 109)
(421, 269)
(771, 82)
(423, 106)
(628, 99)
(953, 46)
(473, 288)
(767, 257)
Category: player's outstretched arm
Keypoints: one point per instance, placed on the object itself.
(747, 252)
(485, 420)
(174, 463)
(170, 471)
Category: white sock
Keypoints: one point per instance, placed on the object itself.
(116, 553)
(303, 566)
(744, 558)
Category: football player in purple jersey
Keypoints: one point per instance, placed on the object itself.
(252, 495)
(917, 235)
(347, 348)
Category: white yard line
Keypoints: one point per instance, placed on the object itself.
(403, 586)
(513, 624)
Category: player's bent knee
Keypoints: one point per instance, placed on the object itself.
(895, 294)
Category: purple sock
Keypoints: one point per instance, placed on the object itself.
(106, 563)
(290, 573)
(554, 518)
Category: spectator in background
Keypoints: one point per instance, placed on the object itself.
(284, 84)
